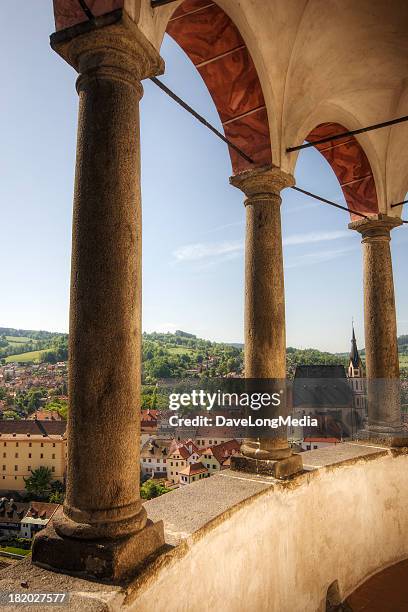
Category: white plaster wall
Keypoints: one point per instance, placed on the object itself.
(282, 550)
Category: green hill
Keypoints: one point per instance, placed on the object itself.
(170, 355)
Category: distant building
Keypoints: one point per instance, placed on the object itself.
(193, 472)
(180, 457)
(216, 458)
(24, 519)
(36, 518)
(323, 392)
(45, 415)
(153, 457)
(356, 375)
(26, 445)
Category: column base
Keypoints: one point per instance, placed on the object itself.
(395, 438)
(106, 560)
(281, 468)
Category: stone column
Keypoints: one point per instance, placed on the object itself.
(104, 531)
(382, 364)
(265, 334)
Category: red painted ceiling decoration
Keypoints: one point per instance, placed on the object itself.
(351, 166)
(69, 12)
(216, 48)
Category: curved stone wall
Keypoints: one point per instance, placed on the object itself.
(280, 549)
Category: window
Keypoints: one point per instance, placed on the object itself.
(16, 455)
(42, 456)
(53, 456)
(30, 444)
(53, 444)
(4, 468)
(53, 469)
(4, 443)
(16, 443)
(42, 443)
(15, 477)
(29, 455)
(29, 468)
(15, 468)
(4, 454)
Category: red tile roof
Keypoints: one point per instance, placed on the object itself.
(222, 451)
(33, 427)
(193, 468)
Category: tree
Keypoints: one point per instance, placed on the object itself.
(59, 406)
(151, 489)
(39, 482)
(56, 498)
(11, 414)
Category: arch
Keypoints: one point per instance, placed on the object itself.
(215, 46)
(351, 166)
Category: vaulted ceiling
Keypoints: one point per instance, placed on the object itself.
(283, 72)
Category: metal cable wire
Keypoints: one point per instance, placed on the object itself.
(86, 9)
(208, 125)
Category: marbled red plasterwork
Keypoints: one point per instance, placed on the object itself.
(69, 12)
(351, 166)
(216, 48)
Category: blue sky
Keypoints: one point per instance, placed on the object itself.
(193, 221)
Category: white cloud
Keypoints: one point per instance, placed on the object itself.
(211, 252)
(200, 250)
(310, 237)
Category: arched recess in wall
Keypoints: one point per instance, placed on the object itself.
(351, 166)
(215, 46)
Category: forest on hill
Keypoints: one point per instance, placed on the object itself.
(170, 355)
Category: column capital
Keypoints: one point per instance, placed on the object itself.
(376, 227)
(111, 46)
(261, 183)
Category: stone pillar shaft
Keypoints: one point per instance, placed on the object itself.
(265, 335)
(103, 499)
(105, 312)
(382, 363)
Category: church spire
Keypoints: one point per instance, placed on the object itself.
(354, 355)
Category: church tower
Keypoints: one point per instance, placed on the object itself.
(356, 376)
(355, 369)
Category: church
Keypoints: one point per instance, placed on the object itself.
(356, 375)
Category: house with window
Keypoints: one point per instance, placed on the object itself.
(192, 473)
(154, 456)
(217, 457)
(26, 445)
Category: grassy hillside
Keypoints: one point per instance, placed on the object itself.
(29, 356)
(25, 345)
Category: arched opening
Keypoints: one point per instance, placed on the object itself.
(216, 48)
(320, 251)
(351, 166)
